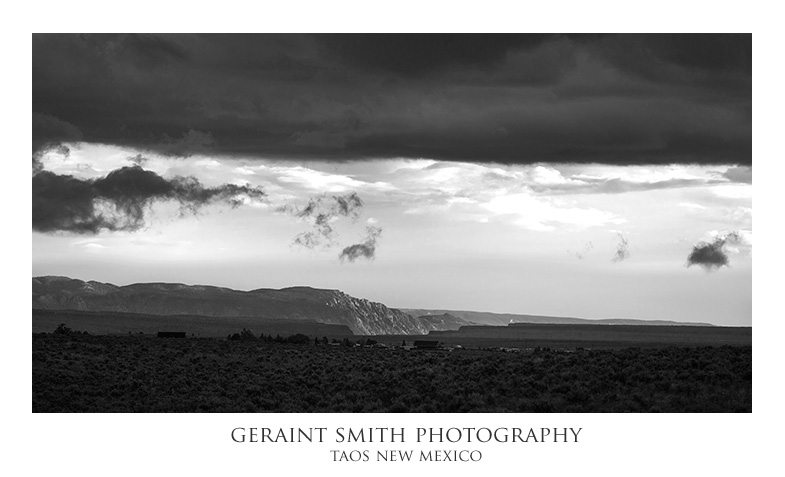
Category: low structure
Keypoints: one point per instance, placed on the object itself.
(171, 334)
(426, 344)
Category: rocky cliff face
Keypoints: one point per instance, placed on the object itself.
(371, 318)
(298, 303)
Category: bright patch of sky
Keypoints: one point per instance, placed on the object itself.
(537, 239)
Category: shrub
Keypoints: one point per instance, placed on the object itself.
(299, 338)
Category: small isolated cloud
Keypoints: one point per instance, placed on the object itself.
(712, 255)
(322, 212)
(313, 239)
(587, 247)
(366, 249)
(119, 201)
(622, 249)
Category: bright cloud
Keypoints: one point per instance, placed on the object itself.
(689, 205)
(733, 191)
(538, 214)
(322, 181)
(548, 176)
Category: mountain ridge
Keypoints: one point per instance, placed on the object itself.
(362, 316)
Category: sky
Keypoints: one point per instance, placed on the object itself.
(595, 176)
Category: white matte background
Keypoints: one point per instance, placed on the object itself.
(174, 444)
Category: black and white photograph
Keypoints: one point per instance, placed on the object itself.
(392, 223)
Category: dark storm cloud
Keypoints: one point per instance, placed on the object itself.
(49, 133)
(712, 255)
(710, 60)
(322, 211)
(618, 99)
(120, 200)
(622, 249)
(417, 54)
(142, 50)
(366, 249)
(191, 142)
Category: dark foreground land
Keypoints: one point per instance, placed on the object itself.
(86, 373)
(572, 336)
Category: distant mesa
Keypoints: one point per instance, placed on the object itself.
(510, 319)
(295, 304)
(292, 305)
(443, 321)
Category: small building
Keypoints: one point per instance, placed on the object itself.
(426, 344)
(171, 334)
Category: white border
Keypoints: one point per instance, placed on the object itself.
(642, 444)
